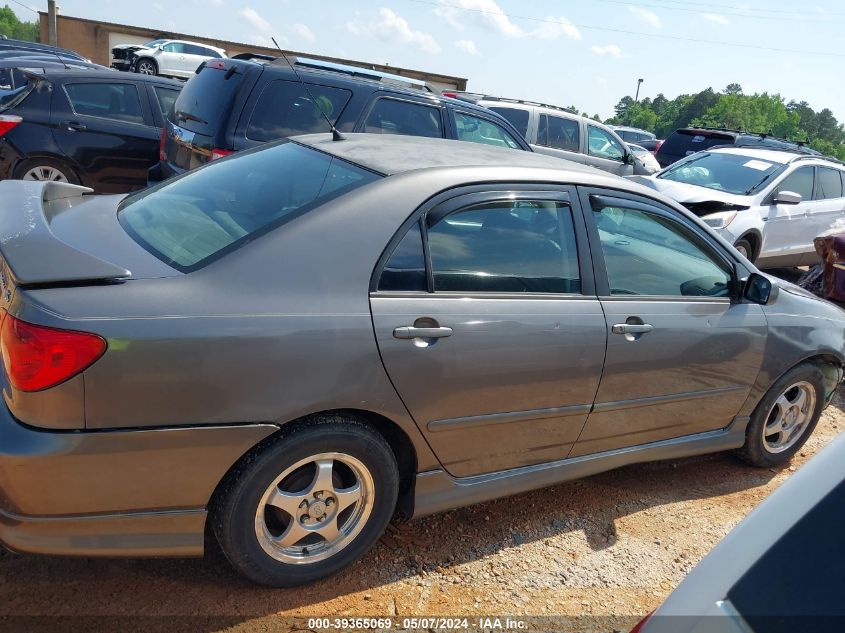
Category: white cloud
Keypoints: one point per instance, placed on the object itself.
(468, 46)
(256, 20)
(611, 49)
(650, 17)
(718, 18)
(217, 3)
(489, 15)
(304, 32)
(392, 27)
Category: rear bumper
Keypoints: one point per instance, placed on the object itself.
(128, 492)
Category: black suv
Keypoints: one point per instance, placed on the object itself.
(689, 140)
(234, 104)
(97, 128)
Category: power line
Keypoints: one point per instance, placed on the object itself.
(590, 27)
(25, 6)
(710, 9)
(742, 10)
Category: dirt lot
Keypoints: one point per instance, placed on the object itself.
(614, 544)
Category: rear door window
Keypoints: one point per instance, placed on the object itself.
(165, 97)
(478, 130)
(115, 101)
(830, 184)
(392, 116)
(560, 133)
(517, 117)
(286, 109)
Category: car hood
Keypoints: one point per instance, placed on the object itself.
(699, 200)
(131, 47)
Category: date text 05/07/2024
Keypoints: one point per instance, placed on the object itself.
(418, 624)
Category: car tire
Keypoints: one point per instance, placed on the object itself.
(307, 503)
(780, 424)
(744, 246)
(46, 169)
(146, 66)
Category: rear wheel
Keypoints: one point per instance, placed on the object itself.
(309, 504)
(146, 67)
(785, 417)
(46, 169)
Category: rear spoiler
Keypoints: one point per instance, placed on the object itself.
(33, 254)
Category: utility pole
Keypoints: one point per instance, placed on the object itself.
(52, 33)
(637, 98)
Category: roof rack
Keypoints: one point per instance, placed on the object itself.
(356, 71)
(475, 97)
(829, 159)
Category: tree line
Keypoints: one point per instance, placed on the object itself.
(14, 28)
(760, 113)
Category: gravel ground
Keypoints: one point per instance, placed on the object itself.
(611, 545)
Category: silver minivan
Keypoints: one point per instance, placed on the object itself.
(560, 132)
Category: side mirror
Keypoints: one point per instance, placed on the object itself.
(787, 197)
(759, 289)
(628, 159)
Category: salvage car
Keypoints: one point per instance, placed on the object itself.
(645, 163)
(769, 203)
(294, 343)
(96, 128)
(169, 58)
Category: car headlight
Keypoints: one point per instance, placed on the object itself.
(719, 220)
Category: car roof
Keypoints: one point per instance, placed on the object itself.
(779, 156)
(390, 154)
(107, 73)
(216, 48)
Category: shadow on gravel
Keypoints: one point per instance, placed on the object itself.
(213, 597)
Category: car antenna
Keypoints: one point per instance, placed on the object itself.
(336, 135)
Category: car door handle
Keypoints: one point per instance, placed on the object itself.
(73, 126)
(410, 332)
(631, 328)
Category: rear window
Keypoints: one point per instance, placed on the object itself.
(517, 118)
(286, 109)
(684, 142)
(193, 220)
(203, 101)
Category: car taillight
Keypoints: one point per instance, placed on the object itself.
(657, 147)
(38, 357)
(642, 623)
(453, 95)
(220, 153)
(161, 154)
(7, 122)
(218, 64)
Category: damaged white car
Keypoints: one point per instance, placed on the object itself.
(768, 203)
(171, 58)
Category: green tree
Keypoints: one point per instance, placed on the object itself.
(12, 27)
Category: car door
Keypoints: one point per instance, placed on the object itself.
(171, 60)
(606, 152)
(827, 209)
(489, 328)
(105, 127)
(786, 232)
(683, 352)
(559, 136)
(471, 127)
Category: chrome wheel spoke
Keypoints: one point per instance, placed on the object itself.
(323, 476)
(285, 501)
(800, 400)
(329, 531)
(347, 496)
(292, 535)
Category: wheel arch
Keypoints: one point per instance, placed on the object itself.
(755, 238)
(59, 158)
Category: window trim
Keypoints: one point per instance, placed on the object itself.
(690, 229)
(143, 122)
(362, 121)
(460, 198)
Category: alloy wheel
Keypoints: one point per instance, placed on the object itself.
(146, 68)
(45, 172)
(314, 508)
(789, 417)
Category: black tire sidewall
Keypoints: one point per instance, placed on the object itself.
(25, 165)
(748, 248)
(234, 520)
(754, 451)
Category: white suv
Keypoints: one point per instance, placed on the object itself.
(769, 204)
(172, 58)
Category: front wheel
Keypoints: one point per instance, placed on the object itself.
(45, 169)
(745, 249)
(146, 67)
(307, 505)
(785, 417)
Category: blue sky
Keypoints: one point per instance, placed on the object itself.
(587, 53)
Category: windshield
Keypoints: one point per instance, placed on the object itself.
(192, 220)
(154, 43)
(733, 173)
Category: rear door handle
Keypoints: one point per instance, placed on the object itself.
(410, 332)
(73, 126)
(631, 328)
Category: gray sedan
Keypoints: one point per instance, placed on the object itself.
(294, 344)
